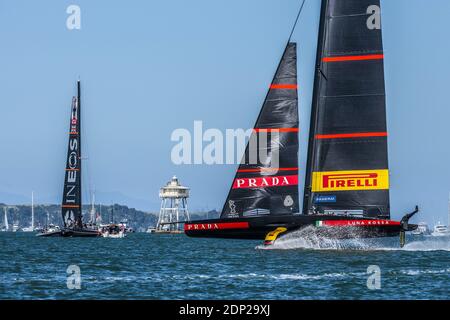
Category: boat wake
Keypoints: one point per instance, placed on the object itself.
(428, 243)
(309, 239)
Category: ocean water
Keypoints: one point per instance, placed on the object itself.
(149, 266)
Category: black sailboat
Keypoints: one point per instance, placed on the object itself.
(346, 190)
(71, 207)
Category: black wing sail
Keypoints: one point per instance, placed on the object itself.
(71, 204)
(347, 157)
(266, 181)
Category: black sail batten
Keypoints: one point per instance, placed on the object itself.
(269, 185)
(72, 203)
(347, 170)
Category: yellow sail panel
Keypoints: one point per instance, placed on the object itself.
(332, 181)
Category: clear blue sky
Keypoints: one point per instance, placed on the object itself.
(149, 67)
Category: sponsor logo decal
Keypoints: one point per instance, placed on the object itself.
(264, 182)
(356, 223)
(256, 212)
(288, 201)
(283, 86)
(350, 180)
(325, 199)
(71, 192)
(232, 206)
(215, 226)
(74, 116)
(72, 172)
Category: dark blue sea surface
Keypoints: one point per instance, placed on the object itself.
(151, 266)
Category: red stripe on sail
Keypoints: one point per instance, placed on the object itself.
(351, 135)
(276, 130)
(265, 182)
(267, 169)
(284, 86)
(358, 223)
(354, 58)
(215, 226)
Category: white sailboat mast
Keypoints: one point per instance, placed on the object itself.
(92, 213)
(32, 210)
(6, 218)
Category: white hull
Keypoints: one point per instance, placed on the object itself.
(422, 229)
(49, 231)
(114, 235)
(440, 231)
(441, 234)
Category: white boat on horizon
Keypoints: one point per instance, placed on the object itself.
(151, 230)
(5, 227)
(50, 230)
(113, 231)
(15, 227)
(440, 230)
(422, 229)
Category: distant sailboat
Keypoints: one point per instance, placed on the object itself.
(5, 219)
(346, 192)
(16, 224)
(92, 223)
(50, 230)
(31, 228)
(92, 212)
(71, 207)
(15, 227)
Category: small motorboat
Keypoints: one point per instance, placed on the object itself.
(113, 231)
(50, 231)
(151, 230)
(422, 229)
(440, 230)
(15, 227)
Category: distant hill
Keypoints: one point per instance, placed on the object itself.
(212, 214)
(44, 214)
(101, 197)
(51, 213)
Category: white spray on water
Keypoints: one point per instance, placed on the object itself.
(308, 238)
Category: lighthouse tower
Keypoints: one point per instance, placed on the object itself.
(173, 207)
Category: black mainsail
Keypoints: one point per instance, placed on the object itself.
(347, 168)
(71, 207)
(71, 203)
(266, 181)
